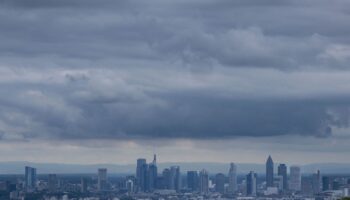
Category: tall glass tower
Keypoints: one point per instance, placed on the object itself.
(30, 177)
(232, 178)
(269, 172)
(282, 171)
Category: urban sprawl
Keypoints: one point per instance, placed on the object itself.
(173, 184)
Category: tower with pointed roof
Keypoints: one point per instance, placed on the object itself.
(269, 172)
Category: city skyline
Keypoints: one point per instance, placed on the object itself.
(173, 181)
(272, 170)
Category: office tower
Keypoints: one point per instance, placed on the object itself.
(251, 179)
(326, 184)
(166, 178)
(192, 180)
(220, 183)
(269, 172)
(52, 182)
(232, 178)
(83, 185)
(143, 183)
(295, 178)
(130, 186)
(152, 175)
(160, 182)
(140, 177)
(282, 171)
(203, 182)
(175, 178)
(278, 182)
(316, 182)
(102, 179)
(30, 177)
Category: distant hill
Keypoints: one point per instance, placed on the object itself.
(44, 168)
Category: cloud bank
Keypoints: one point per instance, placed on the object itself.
(162, 69)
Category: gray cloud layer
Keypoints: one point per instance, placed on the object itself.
(163, 69)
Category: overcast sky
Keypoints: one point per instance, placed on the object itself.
(85, 81)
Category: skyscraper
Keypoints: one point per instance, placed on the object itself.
(30, 177)
(175, 178)
(152, 175)
(278, 182)
(295, 178)
(326, 184)
(203, 181)
(166, 178)
(269, 172)
(192, 180)
(232, 178)
(130, 186)
(316, 182)
(140, 176)
(282, 171)
(251, 183)
(102, 179)
(220, 183)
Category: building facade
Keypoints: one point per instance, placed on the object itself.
(203, 181)
(295, 179)
(269, 172)
(102, 179)
(251, 180)
(232, 178)
(282, 171)
(30, 178)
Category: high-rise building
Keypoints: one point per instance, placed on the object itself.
(52, 182)
(152, 175)
(295, 178)
(316, 182)
(326, 184)
(251, 180)
(102, 179)
(143, 183)
(30, 177)
(192, 180)
(269, 172)
(175, 178)
(166, 178)
(232, 178)
(278, 182)
(130, 186)
(140, 176)
(282, 171)
(220, 183)
(203, 181)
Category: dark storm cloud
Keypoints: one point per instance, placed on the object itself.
(163, 69)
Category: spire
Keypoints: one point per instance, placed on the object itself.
(269, 159)
(154, 159)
